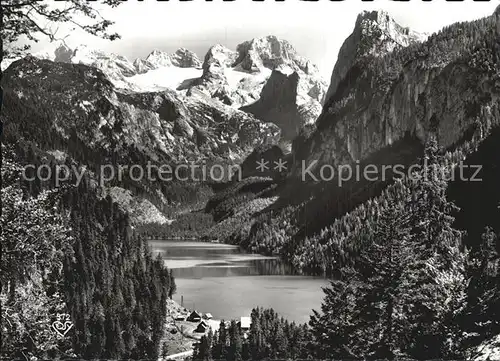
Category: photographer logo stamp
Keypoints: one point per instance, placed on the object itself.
(62, 325)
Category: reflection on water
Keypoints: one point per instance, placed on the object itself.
(197, 260)
(228, 283)
(256, 267)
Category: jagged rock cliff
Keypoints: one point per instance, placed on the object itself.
(375, 33)
(116, 67)
(385, 105)
(443, 85)
(156, 59)
(277, 103)
(184, 58)
(237, 78)
(213, 82)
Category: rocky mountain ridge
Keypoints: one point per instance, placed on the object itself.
(257, 75)
(182, 58)
(257, 58)
(76, 110)
(440, 86)
(375, 33)
(180, 128)
(250, 78)
(235, 78)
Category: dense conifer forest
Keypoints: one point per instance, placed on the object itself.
(403, 284)
(70, 252)
(269, 337)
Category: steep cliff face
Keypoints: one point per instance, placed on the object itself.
(284, 102)
(278, 103)
(213, 82)
(375, 33)
(443, 85)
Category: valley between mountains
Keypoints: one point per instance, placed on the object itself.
(410, 264)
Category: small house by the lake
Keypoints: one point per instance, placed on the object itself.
(245, 323)
(180, 317)
(208, 316)
(202, 327)
(194, 317)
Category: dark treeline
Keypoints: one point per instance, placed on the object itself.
(403, 272)
(91, 266)
(270, 337)
(186, 225)
(403, 286)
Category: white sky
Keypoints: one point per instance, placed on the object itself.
(315, 29)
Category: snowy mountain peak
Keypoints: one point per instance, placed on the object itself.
(267, 52)
(159, 58)
(184, 58)
(116, 67)
(221, 55)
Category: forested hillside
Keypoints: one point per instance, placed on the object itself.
(403, 283)
(69, 252)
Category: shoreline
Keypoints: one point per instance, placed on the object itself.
(183, 339)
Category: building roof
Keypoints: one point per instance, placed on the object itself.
(195, 315)
(208, 315)
(202, 326)
(245, 322)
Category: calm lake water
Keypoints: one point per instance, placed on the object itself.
(220, 279)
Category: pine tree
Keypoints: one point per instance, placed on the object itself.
(222, 342)
(173, 287)
(482, 318)
(210, 342)
(383, 264)
(437, 271)
(164, 350)
(334, 328)
(203, 350)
